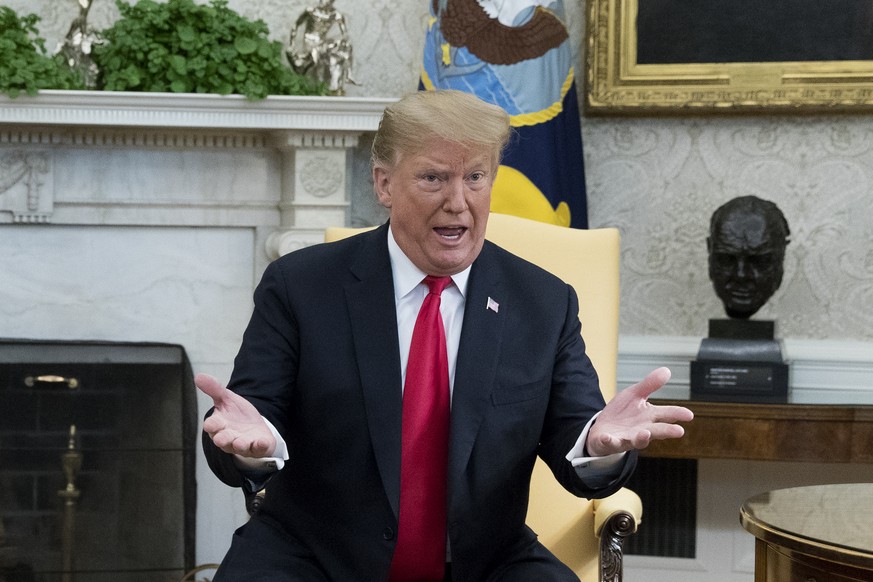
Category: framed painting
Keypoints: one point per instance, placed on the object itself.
(686, 56)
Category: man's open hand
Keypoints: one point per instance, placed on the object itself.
(629, 421)
(235, 426)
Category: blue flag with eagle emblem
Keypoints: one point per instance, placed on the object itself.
(516, 54)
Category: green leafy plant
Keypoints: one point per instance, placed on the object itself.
(182, 47)
(24, 64)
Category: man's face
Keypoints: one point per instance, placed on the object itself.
(438, 201)
(745, 263)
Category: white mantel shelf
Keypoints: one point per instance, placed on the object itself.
(107, 109)
(101, 158)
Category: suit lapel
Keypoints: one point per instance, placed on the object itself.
(476, 369)
(370, 300)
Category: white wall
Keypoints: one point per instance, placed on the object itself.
(186, 286)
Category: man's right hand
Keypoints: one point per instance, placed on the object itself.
(235, 426)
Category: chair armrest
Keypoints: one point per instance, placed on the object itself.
(622, 501)
(254, 501)
(615, 518)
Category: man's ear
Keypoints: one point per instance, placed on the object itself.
(381, 184)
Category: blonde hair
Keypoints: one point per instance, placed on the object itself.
(407, 125)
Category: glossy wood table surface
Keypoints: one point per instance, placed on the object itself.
(812, 534)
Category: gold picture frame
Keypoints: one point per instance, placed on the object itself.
(616, 82)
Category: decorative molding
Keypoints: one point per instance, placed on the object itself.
(313, 135)
(133, 137)
(28, 136)
(165, 110)
(283, 242)
(23, 176)
(319, 177)
(315, 140)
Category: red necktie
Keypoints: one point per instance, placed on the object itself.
(420, 554)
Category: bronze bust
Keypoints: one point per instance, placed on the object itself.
(746, 244)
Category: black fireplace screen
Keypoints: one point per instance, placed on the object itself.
(96, 462)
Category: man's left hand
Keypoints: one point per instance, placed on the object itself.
(630, 421)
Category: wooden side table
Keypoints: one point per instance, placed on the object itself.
(822, 533)
(820, 433)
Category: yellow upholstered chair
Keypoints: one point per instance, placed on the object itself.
(586, 535)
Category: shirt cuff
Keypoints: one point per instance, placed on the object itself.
(593, 467)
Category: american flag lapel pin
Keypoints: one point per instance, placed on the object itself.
(492, 305)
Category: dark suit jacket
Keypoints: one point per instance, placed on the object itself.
(320, 360)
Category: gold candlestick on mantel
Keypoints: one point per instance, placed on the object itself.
(71, 461)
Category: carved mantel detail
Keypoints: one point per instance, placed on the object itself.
(23, 176)
(280, 165)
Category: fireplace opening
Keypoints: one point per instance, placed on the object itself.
(97, 449)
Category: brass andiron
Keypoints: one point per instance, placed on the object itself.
(71, 462)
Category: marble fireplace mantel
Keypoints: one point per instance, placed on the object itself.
(196, 111)
(87, 158)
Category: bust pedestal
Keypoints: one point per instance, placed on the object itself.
(740, 361)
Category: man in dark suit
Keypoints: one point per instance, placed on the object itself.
(319, 382)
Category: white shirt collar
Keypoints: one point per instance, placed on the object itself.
(407, 276)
